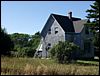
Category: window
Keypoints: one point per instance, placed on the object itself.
(48, 46)
(49, 31)
(56, 30)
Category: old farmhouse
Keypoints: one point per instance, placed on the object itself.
(62, 28)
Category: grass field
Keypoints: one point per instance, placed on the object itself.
(31, 66)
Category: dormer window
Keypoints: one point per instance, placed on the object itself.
(56, 30)
(49, 31)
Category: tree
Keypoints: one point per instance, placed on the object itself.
(35, 40)
(93, 14)
(64, 51)
(25, 45)
(20, 39)
(6, 43)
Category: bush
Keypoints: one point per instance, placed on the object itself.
(24, 52)
(6, 43)
(64, 52)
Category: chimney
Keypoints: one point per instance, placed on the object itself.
(70, 15)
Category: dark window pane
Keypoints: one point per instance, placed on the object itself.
(56, 32)
(49, 31)
(49, 44)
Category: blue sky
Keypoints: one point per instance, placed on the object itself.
(30, 16)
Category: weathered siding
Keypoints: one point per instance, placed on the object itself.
(47, 26)
(69, 36)
(86, 38)
(53, 38)
(79, 39)
(50, 38)
(74, 37)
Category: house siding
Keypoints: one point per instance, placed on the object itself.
(52, 38)
(79, 39)
(48, 24)
(74, 37)
(85, 37)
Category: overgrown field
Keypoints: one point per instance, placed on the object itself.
(31, 66)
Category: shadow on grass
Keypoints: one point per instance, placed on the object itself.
(86, 64)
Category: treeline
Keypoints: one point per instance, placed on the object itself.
(6, 44)
(19, 44)
(22, 45)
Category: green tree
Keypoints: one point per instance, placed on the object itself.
(93, 14)
(64, 51)
(35, 40)
(6, 43)
(20, 39)
(25, 45)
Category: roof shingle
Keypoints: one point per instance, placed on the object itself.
(70, 25)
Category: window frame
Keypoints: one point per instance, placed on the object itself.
(49, 31)
(56, 30)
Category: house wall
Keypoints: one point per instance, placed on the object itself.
(78, 38)
(52, 38)
(48, 24)
(86, 38)
(69, 36)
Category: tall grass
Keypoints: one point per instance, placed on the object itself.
(31, 66)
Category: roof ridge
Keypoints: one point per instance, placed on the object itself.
(58, 15)
(81, 20)
(65, 16)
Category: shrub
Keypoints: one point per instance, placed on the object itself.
(64, 51)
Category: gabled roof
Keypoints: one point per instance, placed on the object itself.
(78, 25)
(70, 25)
(64, 22)
(74, 25)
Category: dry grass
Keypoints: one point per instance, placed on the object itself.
(30, 66)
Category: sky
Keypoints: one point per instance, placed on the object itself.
(30, 17)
